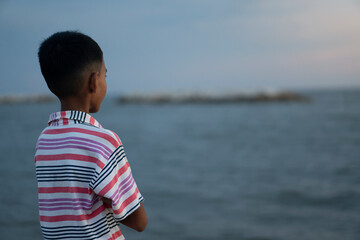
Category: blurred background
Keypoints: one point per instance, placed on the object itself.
(263, 170)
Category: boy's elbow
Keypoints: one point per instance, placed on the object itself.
(141, 226)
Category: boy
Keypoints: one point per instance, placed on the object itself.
(85, 184)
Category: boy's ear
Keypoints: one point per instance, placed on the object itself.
(93, 82)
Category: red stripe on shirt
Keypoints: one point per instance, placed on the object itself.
(82, 217)
(117, 137)
(80, 130)
(63, 190)
(71, 157)
(115, 235)
(125, 203)
(114, 180)
(65, 120)
(92, 120)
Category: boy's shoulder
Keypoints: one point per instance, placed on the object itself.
(112, 135)
(85, 131)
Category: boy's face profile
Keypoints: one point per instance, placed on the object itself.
(101, 87)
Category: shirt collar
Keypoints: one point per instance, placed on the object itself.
(72, 117)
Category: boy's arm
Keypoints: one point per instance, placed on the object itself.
(136, 220)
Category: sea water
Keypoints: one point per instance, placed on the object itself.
(213, 171)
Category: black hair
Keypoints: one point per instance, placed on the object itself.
(63, 56)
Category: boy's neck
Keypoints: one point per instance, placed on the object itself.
(75, 104)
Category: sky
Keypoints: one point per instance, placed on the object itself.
(191, 45)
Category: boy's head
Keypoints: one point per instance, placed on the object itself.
(67, 59)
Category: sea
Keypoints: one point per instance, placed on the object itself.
(247, 171)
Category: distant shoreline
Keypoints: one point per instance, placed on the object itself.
(168, 98)
(13, 99)
(200, 98)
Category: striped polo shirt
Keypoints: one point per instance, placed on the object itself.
(77, 161)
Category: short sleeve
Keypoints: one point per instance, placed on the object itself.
(115, 182)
